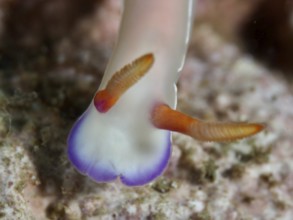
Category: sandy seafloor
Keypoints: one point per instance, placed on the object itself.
(53, 55)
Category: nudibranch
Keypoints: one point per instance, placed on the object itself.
(125, 132)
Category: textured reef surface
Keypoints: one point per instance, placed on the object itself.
(52, 57)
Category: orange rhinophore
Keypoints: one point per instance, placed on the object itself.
(164, 117)
(121, 81)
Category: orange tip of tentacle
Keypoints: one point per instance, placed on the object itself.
(164, 117)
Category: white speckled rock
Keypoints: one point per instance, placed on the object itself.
(250, 179)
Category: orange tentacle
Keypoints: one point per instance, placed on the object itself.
(164, 117)
(121, 81)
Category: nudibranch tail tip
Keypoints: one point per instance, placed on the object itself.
(99, 156)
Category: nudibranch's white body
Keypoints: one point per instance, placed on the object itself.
(123, 142)
(125, 132)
